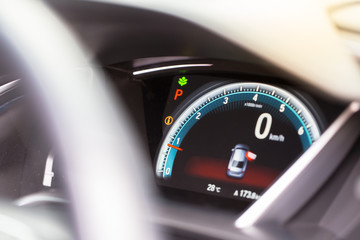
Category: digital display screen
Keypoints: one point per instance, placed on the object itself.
(233, 139)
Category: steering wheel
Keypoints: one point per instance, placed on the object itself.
(94, 135)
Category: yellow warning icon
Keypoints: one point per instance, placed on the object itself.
(169, 120)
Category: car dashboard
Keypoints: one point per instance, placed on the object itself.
(222, 128)
(198, 113)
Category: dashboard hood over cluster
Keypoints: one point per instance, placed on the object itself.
(298, 37)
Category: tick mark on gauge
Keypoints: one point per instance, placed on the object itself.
(257, 88)
(174, 147)
(273, 92)
(287, 100)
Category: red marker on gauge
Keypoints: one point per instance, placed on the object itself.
(172, 146)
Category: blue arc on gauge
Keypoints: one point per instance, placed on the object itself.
(184, 128)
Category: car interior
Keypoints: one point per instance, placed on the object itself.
(179, 120)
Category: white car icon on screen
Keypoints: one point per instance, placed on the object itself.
(239, 160)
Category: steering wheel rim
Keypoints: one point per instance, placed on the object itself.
(85, 123)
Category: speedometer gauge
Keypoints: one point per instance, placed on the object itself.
(235, 140)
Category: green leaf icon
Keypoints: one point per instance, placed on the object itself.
(182, 81)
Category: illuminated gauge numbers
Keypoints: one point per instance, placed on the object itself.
(240, 134)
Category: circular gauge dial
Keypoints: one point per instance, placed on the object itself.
(236, 137)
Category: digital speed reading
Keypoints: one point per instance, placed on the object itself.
(267, 117)
(239, 134)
